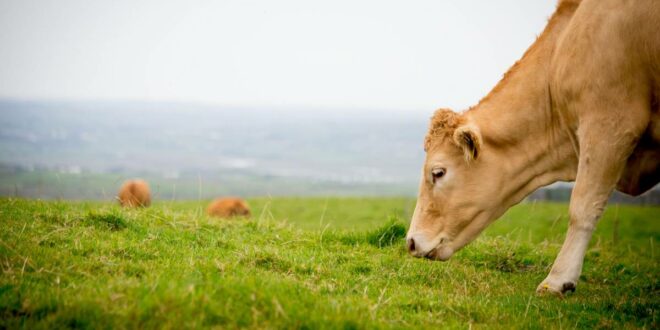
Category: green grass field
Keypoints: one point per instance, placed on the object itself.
(311, 263)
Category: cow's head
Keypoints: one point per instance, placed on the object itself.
(458, 190)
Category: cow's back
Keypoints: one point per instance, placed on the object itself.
(608, 45)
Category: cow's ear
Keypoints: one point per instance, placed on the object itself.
(469, 139)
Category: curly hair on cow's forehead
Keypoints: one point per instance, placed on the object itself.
(443, 124)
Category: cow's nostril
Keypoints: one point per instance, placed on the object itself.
(411, 245)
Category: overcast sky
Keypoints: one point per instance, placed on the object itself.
(397, 55)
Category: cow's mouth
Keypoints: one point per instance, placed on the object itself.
(430, 255)
(440, 252)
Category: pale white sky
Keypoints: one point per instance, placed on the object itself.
(402, 55)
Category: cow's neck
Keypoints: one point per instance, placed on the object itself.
(519, 125)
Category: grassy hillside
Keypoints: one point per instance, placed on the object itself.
(310, 263)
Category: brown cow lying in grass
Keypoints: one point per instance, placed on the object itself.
(228, 207)
(134, 193)
(583, 105)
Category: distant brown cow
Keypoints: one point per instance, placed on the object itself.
(134, 193)
(228, 207)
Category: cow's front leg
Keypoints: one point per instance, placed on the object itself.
(603, 155)
(584, 214)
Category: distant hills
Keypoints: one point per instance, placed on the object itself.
(245, 151)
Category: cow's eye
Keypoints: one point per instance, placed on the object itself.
(438, 173)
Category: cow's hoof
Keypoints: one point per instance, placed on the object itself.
(555, 288)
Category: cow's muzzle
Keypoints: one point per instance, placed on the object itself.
(416, 248)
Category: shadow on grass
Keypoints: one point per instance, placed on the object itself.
(111, 221)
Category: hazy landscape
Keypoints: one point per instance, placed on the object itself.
(83, 150)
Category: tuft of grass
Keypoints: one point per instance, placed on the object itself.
(388, 234)
(504, 255)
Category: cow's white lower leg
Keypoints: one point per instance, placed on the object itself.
(567, 267)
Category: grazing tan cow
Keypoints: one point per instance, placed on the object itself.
(228, 207)
(134, 193)
(583, 105)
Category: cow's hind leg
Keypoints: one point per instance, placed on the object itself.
(605, 144)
